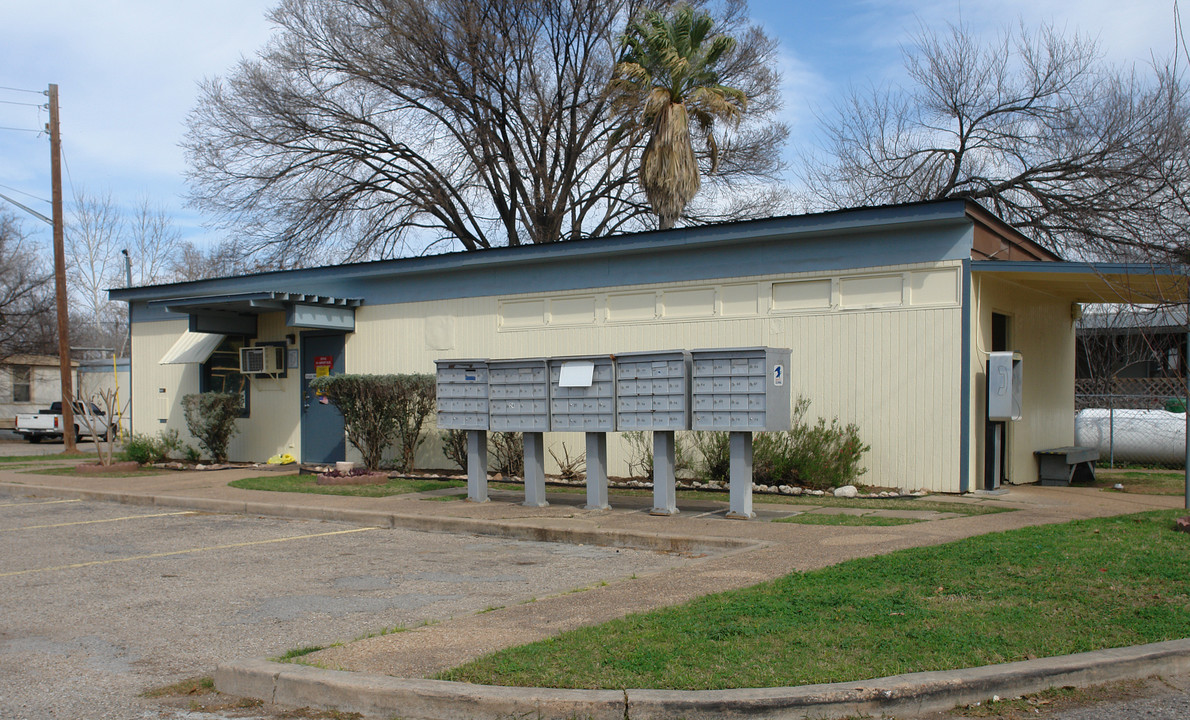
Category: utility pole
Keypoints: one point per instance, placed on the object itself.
(60, 275)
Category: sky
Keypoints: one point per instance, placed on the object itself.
(127, 72)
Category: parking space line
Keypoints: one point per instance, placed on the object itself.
(151, 556)
(92, 522)
(43, 502)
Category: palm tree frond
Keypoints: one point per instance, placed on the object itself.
(669, 65)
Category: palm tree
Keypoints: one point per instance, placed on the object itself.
(668, 66)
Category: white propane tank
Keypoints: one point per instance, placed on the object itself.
(1151, 436)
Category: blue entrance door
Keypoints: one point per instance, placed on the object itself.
(322, 425)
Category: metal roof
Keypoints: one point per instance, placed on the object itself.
(574, 252)
(250, 303)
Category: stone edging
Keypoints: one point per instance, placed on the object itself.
(415, 699)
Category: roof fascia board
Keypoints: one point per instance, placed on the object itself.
(991, 221)
(1027, 266)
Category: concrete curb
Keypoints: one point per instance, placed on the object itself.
(558, 533)
(916, 693)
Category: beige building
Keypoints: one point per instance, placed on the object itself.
(889, 312)
(28, 383)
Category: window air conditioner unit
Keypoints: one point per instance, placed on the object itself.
(266, 360)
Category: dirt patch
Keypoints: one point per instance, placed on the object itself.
(369, 479)
(98, 469)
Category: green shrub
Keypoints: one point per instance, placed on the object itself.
(380, 411)
(640, 454)
(816, 456)
(454, 446)
(714, 449)
(146, 449)
(211, 419)
(416, 396)
(506, 453)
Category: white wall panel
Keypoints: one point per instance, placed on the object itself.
(895, 373)
(273, 424)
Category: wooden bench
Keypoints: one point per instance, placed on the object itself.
(1060, 466)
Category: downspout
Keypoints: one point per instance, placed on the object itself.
(965, 385)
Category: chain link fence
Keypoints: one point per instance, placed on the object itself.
(1132, 420)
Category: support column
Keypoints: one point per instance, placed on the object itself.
(740, 488)
(535, 470)
(664, 495)
(597, 471)
(477, 466)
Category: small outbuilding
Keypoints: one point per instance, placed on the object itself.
(890, 314)
(28, 383)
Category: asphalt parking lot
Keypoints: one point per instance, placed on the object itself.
(103, 601)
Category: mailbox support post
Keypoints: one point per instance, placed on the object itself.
(477, 466)
(664, 494)
(535, 470)
(597, 471)
(740, 488)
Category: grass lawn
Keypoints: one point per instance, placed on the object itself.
(1033, 592)
(820, 501)
(847, 520)
(1145, 482)
(42, 458)
(307, 484)
(72, 470)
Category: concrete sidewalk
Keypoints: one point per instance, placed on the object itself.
(733, 554)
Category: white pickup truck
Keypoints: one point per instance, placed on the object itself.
(47, 424)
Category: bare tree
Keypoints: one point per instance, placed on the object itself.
(153, 242)
(97, 232)
(1129, 341)
(1088, 159)
(26, 294)
(372, 128)
(93, 262)
(226, 258)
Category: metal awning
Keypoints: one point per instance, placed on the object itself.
(192, 347)
(1131, 283)
(235, 313)
(253, 303)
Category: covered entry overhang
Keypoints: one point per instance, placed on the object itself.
(1127, 283)
(237, 313)
(1032, 308)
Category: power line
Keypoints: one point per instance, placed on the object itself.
(17, 129)
(14, 102)
(35, 92)
(22, 192)
(69, 177)
(27, 209)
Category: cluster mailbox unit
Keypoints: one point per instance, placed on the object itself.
(583, 398)
(741, 391)
(518, 397)
(653, 393)
(463, 405)
(737, 390)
